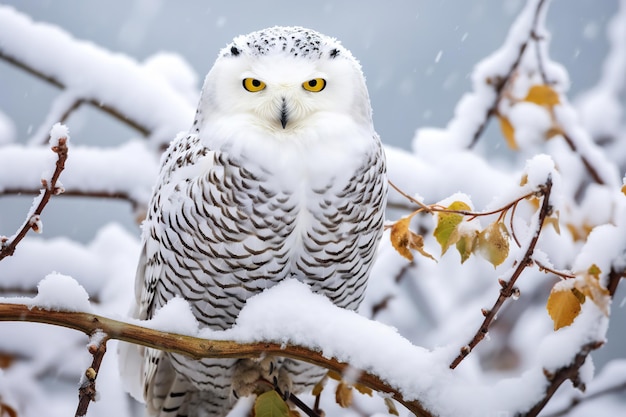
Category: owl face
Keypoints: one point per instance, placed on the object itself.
(285, 80)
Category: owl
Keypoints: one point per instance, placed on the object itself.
(282, 176)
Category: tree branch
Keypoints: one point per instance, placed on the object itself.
(114, 195)
(508, 287)
(111, 110)
(196, 348)
(561, 375)
(87, 390)
(8, 245)
(501, 83)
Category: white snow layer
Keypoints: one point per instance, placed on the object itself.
(96, 74)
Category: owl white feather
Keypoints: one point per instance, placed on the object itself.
(281, 176)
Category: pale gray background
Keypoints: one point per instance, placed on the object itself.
(397, 42)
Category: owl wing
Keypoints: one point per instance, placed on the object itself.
(146, 373)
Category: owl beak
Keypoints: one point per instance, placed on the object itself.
(283, 114)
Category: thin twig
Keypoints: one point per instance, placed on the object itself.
(197, 348)
(561, 274)
(408, 197)
(87, 389)
(49, 189)
(501, 83)
(508, 287)
(114, 195)
(574, 402)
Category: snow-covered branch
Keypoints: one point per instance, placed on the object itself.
(198, 348)
(59, 140)
(115, 83)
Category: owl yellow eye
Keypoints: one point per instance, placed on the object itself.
(315, 85)
(253, 85)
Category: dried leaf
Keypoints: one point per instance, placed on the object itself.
(553, 131)
(319, 387)
(624, 189)
(334, 375)
(363, 389)
(391, 407)
(466, 244)
(508, 131)
(542, 95)
(6, 360)
(447, 224)
(563, 306)
(343, 395)
(493, 243)
(416, 242)
(593, 289)
(270, 404)
(400, 237)
(554, 221)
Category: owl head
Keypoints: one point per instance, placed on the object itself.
(282, 81)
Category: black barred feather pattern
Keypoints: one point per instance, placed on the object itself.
(237, 209)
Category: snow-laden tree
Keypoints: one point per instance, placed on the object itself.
(493, 286)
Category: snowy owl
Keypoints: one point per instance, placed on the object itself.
(281, 176)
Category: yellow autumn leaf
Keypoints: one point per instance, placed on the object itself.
(465, 245)
(508, 131)
(400, 237)
(563, 306)
(542, 95)
(592, 288)
(493, 243)
(270, 404)
(624, 189)
(416, 242)
(343, 395)
(319, 387)
(391, 407)
(363, 389)
(447, 224)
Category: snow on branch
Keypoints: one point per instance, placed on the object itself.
(59, 140)
(336, 339)
(114, 83)
(125, 172)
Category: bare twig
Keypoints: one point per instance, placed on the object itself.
(501, 83)
(114, 195)
(9, 245)
(408, 197)
(195, 347)
(87, 389)
(621, 387)
(508, 287)
(547, 269)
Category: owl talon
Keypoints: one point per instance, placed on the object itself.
(248, 374)
(282, 384)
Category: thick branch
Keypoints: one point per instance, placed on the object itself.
(195, 347)
(563, 374)
(8, 246)
(508, 287)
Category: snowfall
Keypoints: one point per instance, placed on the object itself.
(416, 316)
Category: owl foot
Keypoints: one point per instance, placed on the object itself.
(256, 376)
